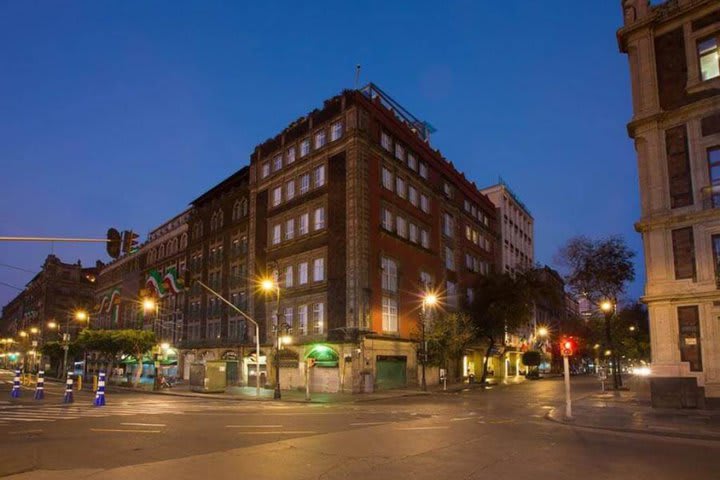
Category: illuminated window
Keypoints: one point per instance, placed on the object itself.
(319, 269)
(302, 319)
(277, 196)
(290, 155)
(304, 147)
(277, 162)
(319, 218)
(288, 276)
(290, 190)
(265, 169)
(320, 139)
(304, 223)
(336, 131)
(303, 273)
(304, 183)
(389, 314)
(276, 234)
(318, 318)
(290, 229)
(709, 58)
(320, 176)
(389, 274)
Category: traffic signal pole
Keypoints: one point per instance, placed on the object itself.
(568, 399)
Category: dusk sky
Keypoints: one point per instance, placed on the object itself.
(120, 113)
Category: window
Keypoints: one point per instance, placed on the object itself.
(290, 155)
(448, 225)
(277, 196)
(470, 295)
(277, 162)
(233, 327)
(319, 269)
(683, 253)
(387, 220)
(389, 274)
(716, 257)
(213, 329)
(304, 183)
(709, 58)
(303, 273)
(265, 170)
(385, 141)
(389, 314)
(466, 205)
(447, 190)
(288, 314)
(290, 229)
(412, 161)
(276, 234)
(319, 218)
(468, 232)
(689, 329)
(290, 190)
(449, 259)
(304, 147)
(320, 139)
(302, 319)
(423, 170)
(678, 164)
(413, 233)
(336, 131)
(289, 276)
(426, 280)
(318, 318)
(468, 261)
(425, 238)
(387, 179)
(714, 167)
(399, 152)
(401, 226)
(320, 176)
(424, 203)
(304, 223)
(451, 293)
(400, 187)
(413, 195)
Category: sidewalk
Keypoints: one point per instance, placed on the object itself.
(630, 411)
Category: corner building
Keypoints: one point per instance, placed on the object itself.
(672, 48)
(357, 216)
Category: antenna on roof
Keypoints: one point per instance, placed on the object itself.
(357, 76)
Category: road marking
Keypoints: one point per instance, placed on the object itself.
(460, 419)
(497, 422)
(18, 432)
(286, 432)
(253, 426)
(133, 424)
(423, 428)
(358, 424)
(122, 430)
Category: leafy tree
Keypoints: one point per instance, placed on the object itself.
(533, 358)
(54, 350)
(135, 343)
(105, 342)
(448, 335)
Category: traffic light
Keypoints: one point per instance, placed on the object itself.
(113, 244)
(129, 242)
(568, 347)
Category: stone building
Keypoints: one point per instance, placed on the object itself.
(672, 49)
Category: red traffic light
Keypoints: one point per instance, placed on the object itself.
(568, 347)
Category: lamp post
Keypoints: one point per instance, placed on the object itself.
(151, 305)
(608, 309)
(428, 300)
(269, 285)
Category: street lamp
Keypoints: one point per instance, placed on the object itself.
(23, 333)
(608, 309)
(268, 285)
(429, 300)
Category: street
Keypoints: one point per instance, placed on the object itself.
(498, 433)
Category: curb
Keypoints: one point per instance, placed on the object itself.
(573, 423)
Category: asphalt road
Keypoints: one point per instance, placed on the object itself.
(498, 434)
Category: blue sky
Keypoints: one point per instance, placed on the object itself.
(120, 113)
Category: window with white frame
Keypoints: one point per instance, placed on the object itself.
(449, 258)
(304, 183)
(387, 220)
(302, 319)
(399, 152)
(425, 238)
(389, 276)
(423, 170)
(448, 225)
(290, 229)
(265, 170)
(290, 190)
(319, 270)
(709, 58)
(387, 179)
(277, 229)
(289, 276)
(424, 203)
(401, 226)
(320, 176)
(389, 314)
(277, 162)
(413, 229)
(290, 156)
(288, 317)
(386, 141)
(318, 318)
(413, 195)
(304, 147)
(400, 187)
(304, 224)
(319, 218)
(276, 196)
(320, 139)
(412, 161)
(336, 131)
(303, 273)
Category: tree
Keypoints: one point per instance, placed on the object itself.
(599, 270)
(135, 343)
(56, 353)
(533, 358)
(102, 341)
(502, 303)
(448, 335)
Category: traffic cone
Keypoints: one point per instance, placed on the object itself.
(16, 385)
(100, 394)
(68, 398)
(40, 387)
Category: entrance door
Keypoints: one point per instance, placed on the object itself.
(391, 371)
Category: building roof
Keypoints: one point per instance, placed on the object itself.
(234, 180)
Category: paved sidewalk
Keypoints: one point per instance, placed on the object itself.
(630, 411)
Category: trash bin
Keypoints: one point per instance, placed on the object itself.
(208, 377)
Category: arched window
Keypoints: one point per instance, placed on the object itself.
(183, 241)
(244, 207)
(161, 251)
(220, 219)
(213, 222)
(236, 211)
